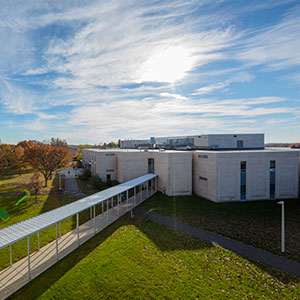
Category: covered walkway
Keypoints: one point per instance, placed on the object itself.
(113, 202)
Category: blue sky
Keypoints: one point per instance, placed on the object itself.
(96, 71)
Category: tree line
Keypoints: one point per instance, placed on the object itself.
(45, 157)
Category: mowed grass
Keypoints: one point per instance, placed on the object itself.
(28, 208)
(85, 188)
(257, 223)
(145, 260)
(17, 181)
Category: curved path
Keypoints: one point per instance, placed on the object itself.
(250, 252)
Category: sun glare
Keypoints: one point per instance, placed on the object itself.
(168, 65)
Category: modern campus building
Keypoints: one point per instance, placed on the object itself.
(207, 142)
(220, 167)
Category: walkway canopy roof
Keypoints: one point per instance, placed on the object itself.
(19, 231)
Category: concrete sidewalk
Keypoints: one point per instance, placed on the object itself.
(255, 254)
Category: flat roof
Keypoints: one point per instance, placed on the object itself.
(16, 232)
(266, 150)
(135, 150)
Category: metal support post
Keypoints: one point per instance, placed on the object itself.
(10, 255)
(59, 176)
(107, 211)
(134, 195)
(91, 213)
(118, 197)
(77, 226)
(147, 184)
(59, 229)
(141, 193)
(56, 236)
(94, 209)
(28, 249)
(102, 207)
(127, 200)
(282, 226)
(112, 202)
(38, 234)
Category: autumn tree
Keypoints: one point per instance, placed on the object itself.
(6, 157)
(47, 159)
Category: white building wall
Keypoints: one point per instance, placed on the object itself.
(132, 164)
(204, 166)
(257, 175)
(229, 141)
(106, 164)
(161, 168)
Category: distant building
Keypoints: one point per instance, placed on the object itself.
(228, 168)
(133, 144)
(207, 142)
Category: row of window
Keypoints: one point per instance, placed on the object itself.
(243, 185)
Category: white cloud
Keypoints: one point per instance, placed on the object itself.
(240, 77)
(276, 47)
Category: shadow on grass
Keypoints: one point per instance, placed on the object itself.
(171, 208)
(162, 236)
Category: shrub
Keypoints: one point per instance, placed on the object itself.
(86, 174)
(96, 182)
(111, 183)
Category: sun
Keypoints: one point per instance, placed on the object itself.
(168, 65)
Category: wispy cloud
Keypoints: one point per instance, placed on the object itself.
(109, 69)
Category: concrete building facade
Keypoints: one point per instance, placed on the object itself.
(246, 172)
(174, 168)
(224, 176)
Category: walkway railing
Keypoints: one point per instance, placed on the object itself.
(112, 208)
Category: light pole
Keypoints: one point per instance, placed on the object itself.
(282, 226)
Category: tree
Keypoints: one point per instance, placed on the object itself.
(36, 185)
(47, 159)
(57, 142)
(6, 157)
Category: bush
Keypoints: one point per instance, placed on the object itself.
(111, 183)
(86, 174)
(96, 182)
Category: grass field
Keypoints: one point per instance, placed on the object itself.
(144, 260)
(17, 181)
(257, 223)
(85, 188)
(28, 209)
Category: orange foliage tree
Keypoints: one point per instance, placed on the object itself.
(46, 158)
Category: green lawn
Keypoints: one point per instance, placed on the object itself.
(257, 223)
(145, 260)
(85, 188)
(28, 209)
(17, 181)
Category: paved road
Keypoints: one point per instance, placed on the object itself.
(71, 187)
(242, 249)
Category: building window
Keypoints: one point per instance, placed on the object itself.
(151, 165)
(243, 180)
(240, 144)
(110, 170)
(202, 156)
(109, 154)
(272, 179)
(203, 178)
(108, 177)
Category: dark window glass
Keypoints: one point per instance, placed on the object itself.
(240, 144)
(243, 165)
(151, 165)
(272, 164)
